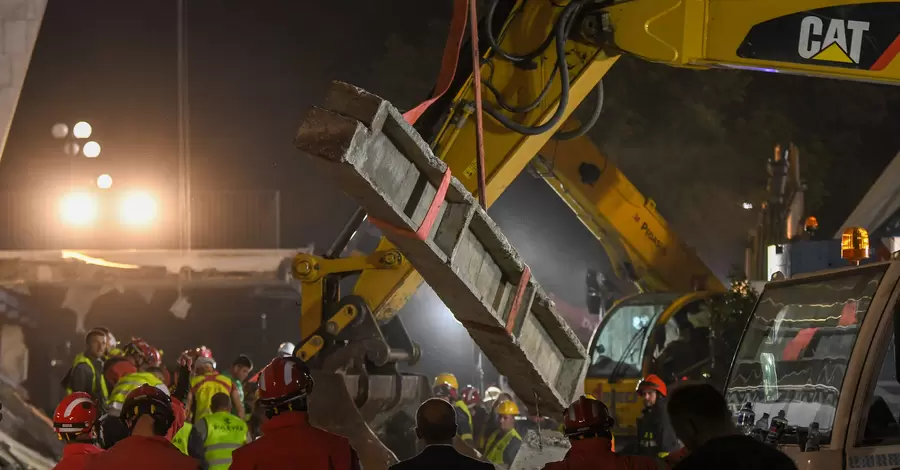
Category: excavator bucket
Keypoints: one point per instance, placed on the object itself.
(375, 412)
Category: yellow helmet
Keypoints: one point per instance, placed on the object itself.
(507, 407)
(446, 379)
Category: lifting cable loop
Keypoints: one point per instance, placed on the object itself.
(452, 49)
(479, 111)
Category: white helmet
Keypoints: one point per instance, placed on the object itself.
(491, 394)
(286, 350)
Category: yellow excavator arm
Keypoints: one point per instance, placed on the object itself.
(850, 40)
(541, 59)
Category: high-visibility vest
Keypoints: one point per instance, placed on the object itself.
(495, 448)
(203, 387)
(465, 409)
(82, 359)
(180, 439)
(225, 432)
(125, 385)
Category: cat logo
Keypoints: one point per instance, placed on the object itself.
(838, 41)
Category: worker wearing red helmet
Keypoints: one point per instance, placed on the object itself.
(148, 415)
(74, 422)
(655, 435)
(471, 396)
(288, 438)
(588, 426)
(135, 354)
(446, 388)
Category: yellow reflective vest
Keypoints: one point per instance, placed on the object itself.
(180, 439)
(465, 435)
(125, 385)
(203, 387)
(495, 447)
(82, 359)
(225, 432)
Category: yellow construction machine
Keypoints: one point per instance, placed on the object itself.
(540, 59)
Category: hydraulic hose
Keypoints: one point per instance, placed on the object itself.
(595, 115)
(496, 49)
(560, 30)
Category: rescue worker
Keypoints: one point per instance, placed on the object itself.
(504, 443)
(217, 435)
(588, 426)
(288, 439)
(480, 416)
(655, 435)
(446, 387)
(182, 437)
(73, 422)
(148, 416)
(113, 428)
(86, 372)
(134, 356)
(206, 383)
(240, 370)
(493, 422)
(181, 429)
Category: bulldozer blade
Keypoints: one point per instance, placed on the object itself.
(538, 450)
(362, 409)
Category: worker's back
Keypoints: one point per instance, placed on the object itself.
(203, 387)
(290, 442)
(596, 453)
(142, 453)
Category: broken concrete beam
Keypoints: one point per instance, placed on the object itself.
(365, 145)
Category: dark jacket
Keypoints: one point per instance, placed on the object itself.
(655, 432)
(736, 453)
(441, 457)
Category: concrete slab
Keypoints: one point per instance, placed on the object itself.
(365, 145)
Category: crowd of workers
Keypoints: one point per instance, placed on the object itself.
(124, 409)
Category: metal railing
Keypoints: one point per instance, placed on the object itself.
(220, 220)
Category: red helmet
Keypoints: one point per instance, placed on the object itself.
(75, 414)
(587, 415)
(652, 382)
(154, 357)
(149, 400)
(138, 348)
(285, 379)
(470, 395)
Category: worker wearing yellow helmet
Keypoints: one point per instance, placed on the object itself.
(446, 387)
(504, 443)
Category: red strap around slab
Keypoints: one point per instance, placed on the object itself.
(449, 60)
(517, 300)
(430, 217)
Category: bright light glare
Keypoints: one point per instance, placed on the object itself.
(747, 205)
(91, 149)
(82, 130)
(78, 208)
(104, 181)
(59, 130)
(138, 208)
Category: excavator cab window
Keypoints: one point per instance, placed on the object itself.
(680, 346)
(622, 337)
